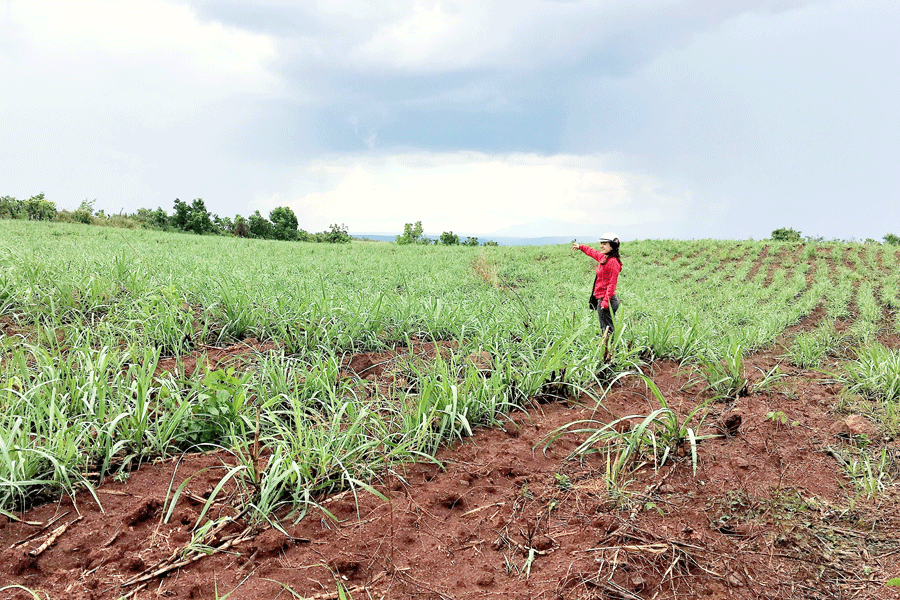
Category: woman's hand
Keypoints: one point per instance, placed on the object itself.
(575, 246)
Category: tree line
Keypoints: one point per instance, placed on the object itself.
(282, 223)
(413, 234)
(789, 234)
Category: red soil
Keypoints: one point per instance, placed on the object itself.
(769, 514)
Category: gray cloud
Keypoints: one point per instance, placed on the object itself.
(765, 114)
(543, 65)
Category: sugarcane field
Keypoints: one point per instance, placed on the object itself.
(205, 417)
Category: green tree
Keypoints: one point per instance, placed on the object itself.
(412, 234)
(892, 239)
(241, 229)
(193, 218)
(37, 208)
(448, 238)
(284, 223)
(223, 225)
(259, 226)
(786, 235)
(9, 207)
(199, 220)
(160, 218)
(180, 215)
(470, 241)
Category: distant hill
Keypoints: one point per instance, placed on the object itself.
(539, 234)
(502, 240)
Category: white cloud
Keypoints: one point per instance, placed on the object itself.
(475, 193)
(134, 57)
(133, 103)
(444, 36)
(432, 37)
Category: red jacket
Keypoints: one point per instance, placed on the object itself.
(608, 270)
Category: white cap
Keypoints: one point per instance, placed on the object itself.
(609, 236)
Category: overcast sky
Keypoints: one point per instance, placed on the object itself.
(651, 118)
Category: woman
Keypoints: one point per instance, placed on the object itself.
(609, 265)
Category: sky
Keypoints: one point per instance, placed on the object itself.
(681, 119)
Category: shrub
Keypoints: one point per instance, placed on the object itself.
(124, 222)
(144, 216)
(337, 234)
(84, 211)
(448, 238)
(892, 239)
(786, 235)
(160, 218)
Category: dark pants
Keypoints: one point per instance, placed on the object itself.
(606, 321)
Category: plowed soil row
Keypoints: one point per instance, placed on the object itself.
(769, 513)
